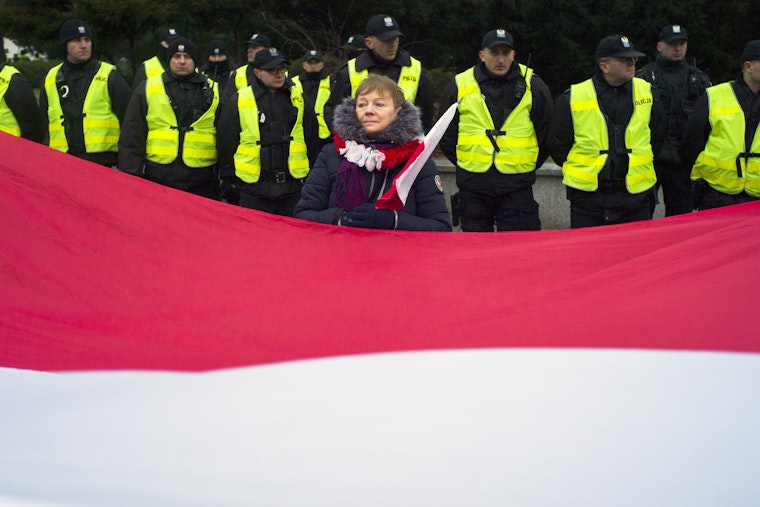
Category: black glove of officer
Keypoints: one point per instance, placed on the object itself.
(228, 192)
(366, 216)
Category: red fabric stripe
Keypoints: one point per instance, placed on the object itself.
(103, 270)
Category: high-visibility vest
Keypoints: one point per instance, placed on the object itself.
(153, 67)
(517, 143)
(323, 94)
(8, 121)
(241, 77)
(725, 164)
(164, 138)
(100, 124)
(408, 80)
(248, 155)
(590, 147)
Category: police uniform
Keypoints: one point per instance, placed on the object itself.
(407, 71)
(497, 141)
(19, 113)
(244, 76)
(721, 141)
(169, 133)
(315, 87)
(605, 138)
(155, 65)
(267, 142)
(83, 104)
(219, 72)
(678, 85)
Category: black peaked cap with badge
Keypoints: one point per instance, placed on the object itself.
(383, 27)
(313, 55)
(617, 45)
(671, 33)
(496, 37)
(259, 39)
(268, 59)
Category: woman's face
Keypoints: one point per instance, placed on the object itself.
(375, 112)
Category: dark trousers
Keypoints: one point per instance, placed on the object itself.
(676, 188)
(513, 211)
(591, 209)
(710, 198)
(283, 205)
(208, 189)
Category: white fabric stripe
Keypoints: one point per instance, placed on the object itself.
(475, 427)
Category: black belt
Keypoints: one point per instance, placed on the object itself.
(275, 176)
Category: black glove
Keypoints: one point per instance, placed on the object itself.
(228, 192)
(366, 216)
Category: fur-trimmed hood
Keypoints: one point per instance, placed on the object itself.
(405, 128)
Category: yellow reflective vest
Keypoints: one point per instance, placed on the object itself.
(165, 139)
(725, 164)
(100, 124)
(323, 95)
(8, 121)
(591, 144)
(516, 139)
(153, 67)
(408, 80)
(248, 155)
(241, 77)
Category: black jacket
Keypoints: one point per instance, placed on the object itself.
(678, 85)
(219, 72)
(20, 99)
(502, 95)
(367, 61)
(190, 98)
(698, 128)
(77, 79)
(616, 103)
(278, 116)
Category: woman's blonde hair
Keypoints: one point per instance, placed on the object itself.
(385, 86)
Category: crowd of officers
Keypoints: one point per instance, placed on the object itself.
(249, 135)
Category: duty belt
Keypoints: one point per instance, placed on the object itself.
(275, 176)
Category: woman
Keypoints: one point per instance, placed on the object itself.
(375, 134)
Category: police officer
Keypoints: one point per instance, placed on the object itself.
(217, 66)
(315, 83)
(605, 133)
(157, 64)
(497, 137)
(169, 133)
(244, 75)
(721, 141)
(83, 100)
(19, 113)
(384, 57)
(678, 85)
(267, 139)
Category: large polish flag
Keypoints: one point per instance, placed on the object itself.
(158, 349)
